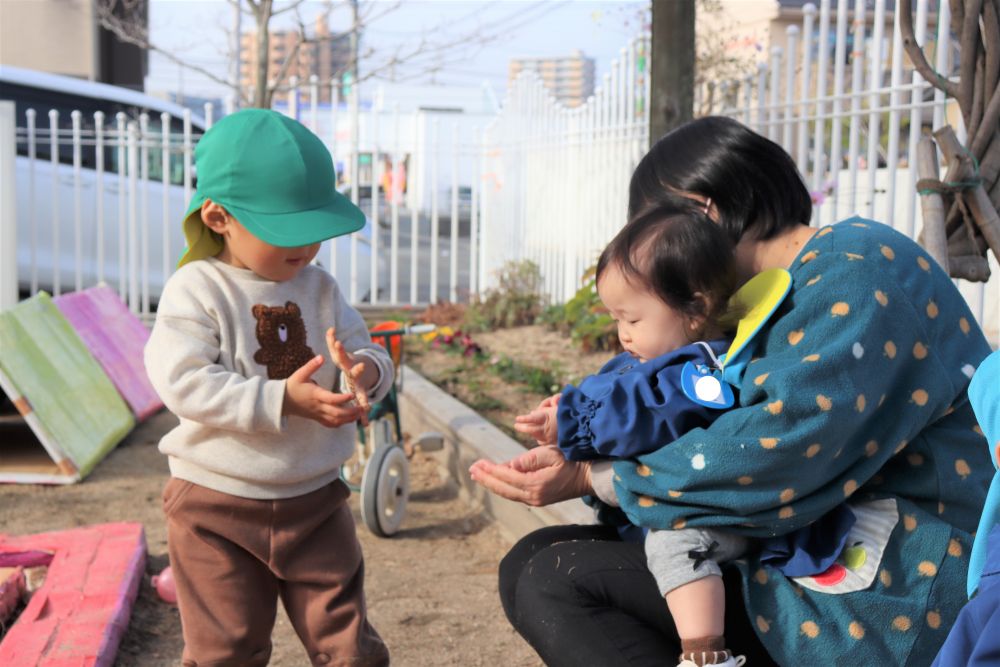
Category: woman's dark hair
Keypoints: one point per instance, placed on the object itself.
(752, 182)
(677, 252)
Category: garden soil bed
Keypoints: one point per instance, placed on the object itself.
(472, 381)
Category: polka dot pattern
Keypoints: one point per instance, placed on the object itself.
(762, 624)
(812, 281)
(813, 450)
(824, 403)
(643, 470)
(932, 310)
(769, 443)
(962, 468)
(887, 252)
(919, 350)
(919, 397)
(809, 256)
(853, 257)
(885, 577)
(871, 448)
(674, 494)
(759, 380)
(923, 264)
(902, 623)
(963, 324)
(646, 501)
(955, 548)
(915, 459)
(927, 568)
(810, 629)
(859, 403)
(909, 522)
(787, 495)
(811, 358)
(774, 408)
(890, 349)
(850, 486)
(760, 576)
(856, 630)
(786, 513)
(795, 337)
(745, 480)
(882, 299)
(933, 620)
(840, 309)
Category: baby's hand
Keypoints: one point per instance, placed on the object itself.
(304, 398)
(540, 423)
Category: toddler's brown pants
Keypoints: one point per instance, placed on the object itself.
(232, 558)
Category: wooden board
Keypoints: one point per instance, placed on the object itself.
(116, 338)
(73, 410)
(81, 612)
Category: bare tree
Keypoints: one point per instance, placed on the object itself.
(428, 52)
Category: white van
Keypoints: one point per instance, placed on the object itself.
(81, 217)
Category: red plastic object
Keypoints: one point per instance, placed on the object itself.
(82, 610)
(164, 585)
(395, 341)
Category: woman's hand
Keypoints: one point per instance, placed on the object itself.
(540, 476)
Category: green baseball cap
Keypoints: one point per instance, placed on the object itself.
(274, 176)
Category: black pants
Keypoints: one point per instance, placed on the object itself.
(580, 596)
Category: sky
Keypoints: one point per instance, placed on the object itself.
(199, 32)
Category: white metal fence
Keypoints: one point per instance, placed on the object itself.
(561, 174)
(541, 181)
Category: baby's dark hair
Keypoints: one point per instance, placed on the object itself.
(678, 253)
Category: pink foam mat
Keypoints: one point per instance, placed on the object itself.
(116, 338)
(81, 612)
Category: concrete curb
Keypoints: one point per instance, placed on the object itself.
(467, 437)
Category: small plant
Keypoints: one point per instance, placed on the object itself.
(585, 319)
(516, 301)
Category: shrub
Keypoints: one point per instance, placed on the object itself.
(516, 301)
(585, 319)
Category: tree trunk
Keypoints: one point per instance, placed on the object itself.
(262, 91)
(671, 66)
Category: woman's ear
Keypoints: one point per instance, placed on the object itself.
(214, 216)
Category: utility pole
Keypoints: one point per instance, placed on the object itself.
(671, 66)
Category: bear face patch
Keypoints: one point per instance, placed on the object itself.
(281, 333)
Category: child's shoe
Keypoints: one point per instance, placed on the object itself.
(731, 661)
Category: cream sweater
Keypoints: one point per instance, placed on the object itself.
(223, 344)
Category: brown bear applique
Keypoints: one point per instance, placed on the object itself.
(282, 337)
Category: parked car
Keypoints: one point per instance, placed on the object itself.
(59, 205)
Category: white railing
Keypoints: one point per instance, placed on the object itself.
(556, 180)
(542, 181)
(557, 177)
(101, 200)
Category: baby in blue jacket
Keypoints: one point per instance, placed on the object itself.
(975, 637)
(666, 278)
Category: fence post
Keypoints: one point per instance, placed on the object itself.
(8, 208)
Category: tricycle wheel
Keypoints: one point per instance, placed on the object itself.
(385, 489)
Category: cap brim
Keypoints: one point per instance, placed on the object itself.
(291, 230)
(296, 229)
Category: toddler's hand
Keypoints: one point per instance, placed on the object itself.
(540, 424)
(351, 368)
(304, 398)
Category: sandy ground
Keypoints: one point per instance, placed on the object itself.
(431, 588)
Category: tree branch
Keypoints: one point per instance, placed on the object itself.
(916, 53)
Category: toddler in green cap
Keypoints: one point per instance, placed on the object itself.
(255, 506)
